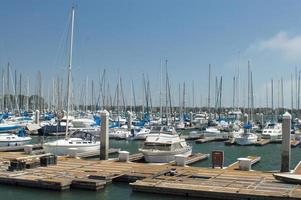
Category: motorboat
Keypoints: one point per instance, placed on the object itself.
(141, 133)
(162, 147)
(272, 131)
(119, 133)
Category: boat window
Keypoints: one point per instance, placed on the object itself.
(8, 138)
(157, 146)
(270, 131)
(85, 142)
(176, 146)
(70, 142)
(78, 142)
(265, 131)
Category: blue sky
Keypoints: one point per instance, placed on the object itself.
(129, 38)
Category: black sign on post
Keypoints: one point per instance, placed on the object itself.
(217, 158)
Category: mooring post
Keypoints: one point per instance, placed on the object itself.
(190, 119)
(37, 117)
(129, 120)
(261, 115)
(104, 135)
(286, 143)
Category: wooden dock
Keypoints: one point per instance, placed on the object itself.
(210, 139)
(295, 143)
(92, 154)
(191, 137)
(229, 183)
(230, 141)
(219, 184)
(19, 148)
(262, 142)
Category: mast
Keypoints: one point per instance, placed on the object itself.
(282, 98)
(248, 100)
(292, 94)
(161, 77)
(209, 85)
(69, 69)
(233, 103)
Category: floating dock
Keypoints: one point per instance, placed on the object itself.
(210, 139)
(19, 148)
(208, 183)
(219, 184)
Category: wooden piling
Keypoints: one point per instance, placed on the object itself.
(104, 136)
(286, 143)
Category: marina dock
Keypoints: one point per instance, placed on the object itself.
(229, 183)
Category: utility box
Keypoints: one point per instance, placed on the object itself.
(217, 158)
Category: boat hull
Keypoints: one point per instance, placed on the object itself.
(15, 142)
(245, 141)
(164, 157)
(68, 149)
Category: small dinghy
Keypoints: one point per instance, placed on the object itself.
(288, 178)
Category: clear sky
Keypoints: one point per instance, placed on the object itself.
(129, 38)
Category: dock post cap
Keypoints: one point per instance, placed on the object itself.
(245, 114)
(287, 115)
(104, 113)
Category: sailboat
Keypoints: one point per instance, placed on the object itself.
(79, 141)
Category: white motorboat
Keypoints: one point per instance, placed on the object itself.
(162, 147)
(246, 138)
(83, 123)
(78, 141)
(141, 133)
(119, 133)
(272, 131)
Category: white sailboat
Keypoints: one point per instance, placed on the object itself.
(246, 138)
(7, 139)
(79, 141)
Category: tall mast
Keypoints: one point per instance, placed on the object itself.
(249, 87)
(161, 77)
(233, 103)
(282, 98)
(69, 69)
(209, 88)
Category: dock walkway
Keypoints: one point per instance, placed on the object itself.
(207, 183)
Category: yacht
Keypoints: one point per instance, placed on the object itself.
(246, 138)
(211, 131)
(79, 141)
(141, 133)
(272, 131)
(161, 147)
(119, 133)
(200, 120)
